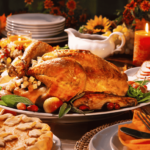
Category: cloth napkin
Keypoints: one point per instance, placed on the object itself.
(131, 142)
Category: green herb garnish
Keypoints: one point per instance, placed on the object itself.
(66, 107)
(2, 103)
(12, 100)
(137, 93)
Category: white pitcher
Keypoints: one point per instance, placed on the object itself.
(99, 45)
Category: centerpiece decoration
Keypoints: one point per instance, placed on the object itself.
(134, 17)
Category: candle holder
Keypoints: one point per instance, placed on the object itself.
(19, 37)
(22, 33)
(141, 46)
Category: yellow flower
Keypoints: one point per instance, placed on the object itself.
(99, 24)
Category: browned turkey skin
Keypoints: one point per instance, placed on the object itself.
(95, 101)
(67, 73)
(102, 76)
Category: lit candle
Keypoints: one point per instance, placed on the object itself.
(141, 46)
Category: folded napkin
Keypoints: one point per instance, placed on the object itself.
(131, 142)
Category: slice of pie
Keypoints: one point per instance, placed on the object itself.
(24, 133)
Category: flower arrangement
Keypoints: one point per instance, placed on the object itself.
(97, 25)
(135, 14)
(75, 15)
(3, 21)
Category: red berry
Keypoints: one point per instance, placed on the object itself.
(84, 107)
(32, 108)
(110, 106)
(21, 106)
(145, 86)
(117, 106)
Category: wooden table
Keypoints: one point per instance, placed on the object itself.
(70, 133)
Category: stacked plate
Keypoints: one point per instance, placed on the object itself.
(44, 27)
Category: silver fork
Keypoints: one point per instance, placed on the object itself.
(146, 118)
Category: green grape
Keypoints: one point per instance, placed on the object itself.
(119, 28)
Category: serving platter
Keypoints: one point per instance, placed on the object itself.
(74, 117)
(103, 139)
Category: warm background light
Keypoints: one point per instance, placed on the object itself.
(147, 27)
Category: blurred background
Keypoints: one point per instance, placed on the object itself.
(79, 11)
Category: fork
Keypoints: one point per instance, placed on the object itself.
(146, 118)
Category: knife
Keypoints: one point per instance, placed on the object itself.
(135, 133)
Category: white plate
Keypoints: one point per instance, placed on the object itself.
(35, 26)
(60, 36)
(35, 19)
(115, 143)
(131, 75)
(102, 140)
(36, 31)
(56, 143)
(43, 35)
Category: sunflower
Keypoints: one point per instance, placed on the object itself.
(98, 25)
(145, 5)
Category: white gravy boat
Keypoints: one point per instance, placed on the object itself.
(99, 45)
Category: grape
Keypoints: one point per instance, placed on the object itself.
(129, 36)
(119, 28)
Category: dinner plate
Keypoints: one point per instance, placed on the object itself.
(40, 35)
(131, 75)
(36, 31)
(103, 139)
(62, 37)
(56, 143)
(35, 26)
(37, 19)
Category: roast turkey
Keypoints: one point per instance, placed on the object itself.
(67, 73)
(101, 76)
(20, 64)
(70, 72)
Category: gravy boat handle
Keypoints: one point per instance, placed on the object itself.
(123, 40)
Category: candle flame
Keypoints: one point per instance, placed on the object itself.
(19, 39)
(147, 27)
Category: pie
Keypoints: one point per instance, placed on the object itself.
(24, 133)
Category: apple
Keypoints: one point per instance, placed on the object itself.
(51, 104)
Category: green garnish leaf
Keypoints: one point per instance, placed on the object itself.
(0, 88)
(64, 109)
(76, 110)
(2, 103)
(142, 82)
(12, 100)
(76, 97)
